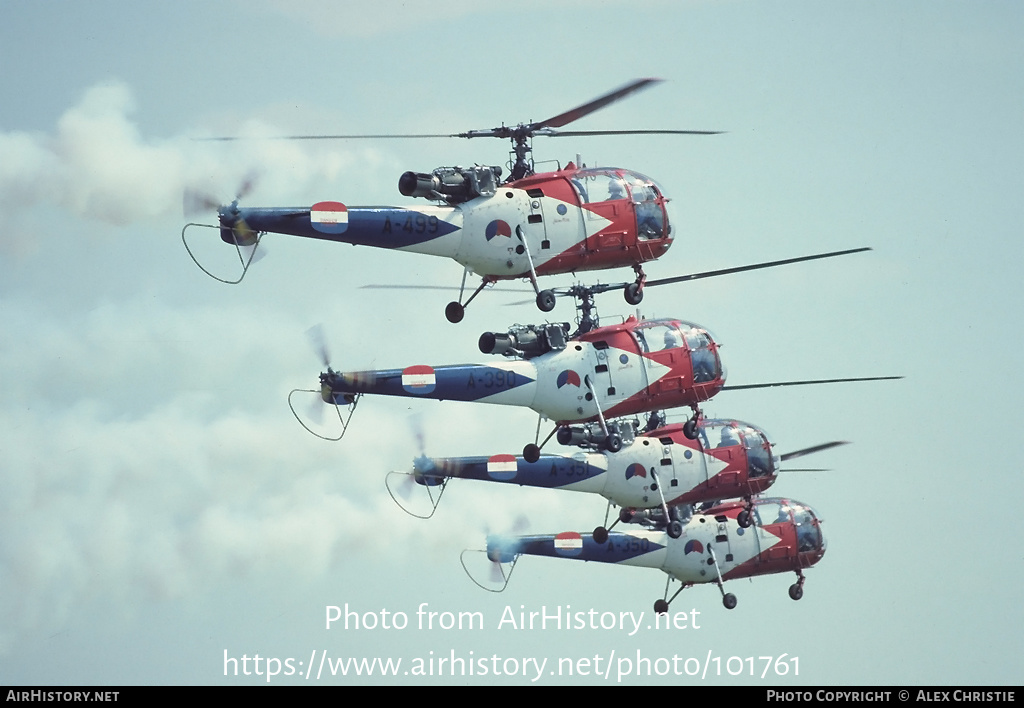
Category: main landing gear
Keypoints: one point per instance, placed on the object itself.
(456, 310)
(744, 518)
(634, 292)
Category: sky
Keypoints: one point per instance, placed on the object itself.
(162, 514)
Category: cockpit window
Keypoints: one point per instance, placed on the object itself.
(759, 454)
(808, 533)
(599, 186)
(771, 512)
(705, 363)
(650, 217)
(733, 433)
(658, 337)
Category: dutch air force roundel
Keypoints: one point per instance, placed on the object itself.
(636, 470)
(497, 228)
(568, 378)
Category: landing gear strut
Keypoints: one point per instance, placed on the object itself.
(744, 518)
(634, 292)
(690, 426)
(454, 311)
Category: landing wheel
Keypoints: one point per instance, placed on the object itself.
(633, 294)
(729, 600)
(626, 516)
(743, 518)
(546, 300)
(454, 312)
(531, 453)
(690, 429)
(795, 591)
(600, 534)
(660, 607)
(613, 443)
(675, 528)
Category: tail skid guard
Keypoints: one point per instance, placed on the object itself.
(245, 261)
(343, 419)
(495, 565)
(430, 494)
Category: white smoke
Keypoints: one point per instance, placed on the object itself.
(146, 451)
(98, 166)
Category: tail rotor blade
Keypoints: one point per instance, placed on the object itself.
(196, 203)
(319, 341)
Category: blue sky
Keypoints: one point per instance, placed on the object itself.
(160, 507)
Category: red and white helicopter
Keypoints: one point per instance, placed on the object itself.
(712, 548)
(627, 369)
(572, 219)
(653, 479)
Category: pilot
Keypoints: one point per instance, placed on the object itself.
(805, 533)
(616, 190)
(672, 339)
(729, 437)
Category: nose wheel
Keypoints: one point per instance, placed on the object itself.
(796, 590)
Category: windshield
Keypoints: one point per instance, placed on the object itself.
(729, 433)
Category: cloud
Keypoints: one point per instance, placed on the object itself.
(96, 165)
(136, 467)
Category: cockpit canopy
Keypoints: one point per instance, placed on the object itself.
(659, 335)
(606, 185)
(808, 529)
(761, 460)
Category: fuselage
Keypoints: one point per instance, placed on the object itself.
(728, 459)
(786, 536)
(623, 369)
(569, 220)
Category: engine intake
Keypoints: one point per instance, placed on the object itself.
(525, 341)
(451, 184)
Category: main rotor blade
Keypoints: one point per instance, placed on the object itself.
(754, 266)
(583, 133)
(598, 103)
(812, 450)
(230, 138)
(807, 383)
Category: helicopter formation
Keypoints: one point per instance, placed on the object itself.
(594, 383)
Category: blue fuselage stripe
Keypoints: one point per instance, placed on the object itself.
(383, 227)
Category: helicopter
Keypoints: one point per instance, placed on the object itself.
(532, 224)
(612, 371)
(713, 548)
(653, 478)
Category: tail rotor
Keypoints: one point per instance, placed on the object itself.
(231, 225)
(314, 409)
